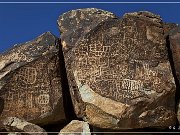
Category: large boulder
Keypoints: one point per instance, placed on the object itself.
(120, 76)
(30, 81)
(76, 127)
(73, 25)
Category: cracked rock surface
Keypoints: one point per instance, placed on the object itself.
(73, 25)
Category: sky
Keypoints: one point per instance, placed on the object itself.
(21, 22)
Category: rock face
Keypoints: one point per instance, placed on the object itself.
(123, 78)
(30, 81)
(174, 38)
(13, 124)
(76, 127)
(76, 23)
(73, 25)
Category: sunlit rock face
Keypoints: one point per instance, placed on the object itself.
(120, 75)
(13, 125)
(73, 25)
(76, 127)
(76, 23)
(30, 81)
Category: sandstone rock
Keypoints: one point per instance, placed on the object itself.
(76, 127)
(30, 81)
(18, 125)
(73, 25)
(123, 78)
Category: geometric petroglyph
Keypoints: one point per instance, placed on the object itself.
(30, 89)
(34, 89)
(70, 24)
(43, 99)
(124, 60)
(28, 75)
(117, 59)
(73, 25)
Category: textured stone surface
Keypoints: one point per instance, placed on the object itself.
(76, 23)
(31, 82)
(168, 27)
(174, 38)
(123, 78)
(76, 127)
(13, 124)
(73, 25)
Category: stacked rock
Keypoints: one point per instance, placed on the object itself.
(123, 74)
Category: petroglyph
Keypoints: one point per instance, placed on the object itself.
(28, 75)
(43, 99)
(124, 60)
(26, 89)
(119, 61)
(34, 89)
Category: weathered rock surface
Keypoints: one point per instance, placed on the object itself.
(13, 124)
(174, 38)
(168, 27)
(30, 81)
(76, 23)
(123, 78)
(73, 25)
(76, 127)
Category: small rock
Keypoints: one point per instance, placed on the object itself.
(13, 125)
(76, 127)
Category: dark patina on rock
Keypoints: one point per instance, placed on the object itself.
(73, 25)
(174, 39)
(30, 81)
(122, 74)
(76, 23)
